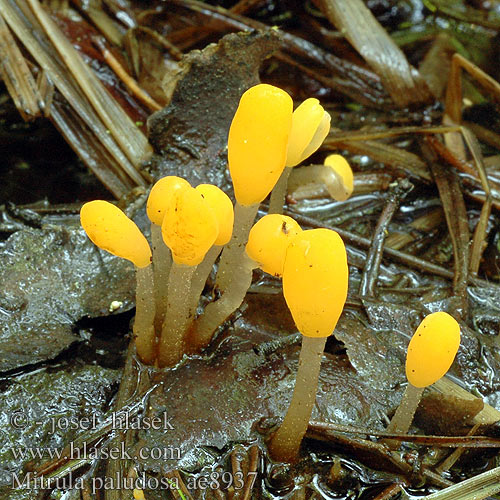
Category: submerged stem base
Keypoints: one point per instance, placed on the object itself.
(285, 443)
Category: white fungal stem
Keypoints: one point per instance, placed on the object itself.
(402, 419)
(177, 319)
(285, 443)
(234, 252)
(278, 194)
(144, 331)
(217, 312)
(305, 178)
(200, 277)
(162, 262)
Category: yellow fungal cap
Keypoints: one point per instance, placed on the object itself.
(110, 229)
(160, 196)
(257, 142)
(432, 349)
(222, 207)
(310, 126)
(138, 494)
(315, 281)
(189, 227)
(342, 185)
(268, 241)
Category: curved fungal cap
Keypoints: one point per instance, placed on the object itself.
(222, 207)
(160, 196)
(189, 227)
(315, 281)
(340, 180)
(257, 142)
(310, 126)
(268, 241)
(432, 349)
(110, 229)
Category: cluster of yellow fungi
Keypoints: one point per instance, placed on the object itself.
(193, 228)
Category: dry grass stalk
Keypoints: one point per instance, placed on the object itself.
(370, 39)
(17, 77)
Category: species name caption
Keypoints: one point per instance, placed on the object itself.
(20, 419)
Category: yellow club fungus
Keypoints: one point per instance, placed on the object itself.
(310, 126)
(189, 229)
(257, 146)
(159, 197)
(315, 281)
(266, 248)
(110, 229)
(336, 174)
(268, 241)
(430, 354)
(257, 142)
(222, 208)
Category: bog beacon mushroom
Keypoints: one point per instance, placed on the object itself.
(189, 229)
(335, 173)
(310, 126)
(110, 229)
(257, 148)
(430, 354)
(266, 248)
(159, 197)
(222, 207)
(315, 281)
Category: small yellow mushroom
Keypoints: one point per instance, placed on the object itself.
(110, 229)
(257, 148)
(189, 229)
(257, 142)
(310, 126)
(222, 208)
(335, 174)
(268, 241)
(266, 248)
(430, 354)
(159, 198)
(432, 349)
(161, 195)
(315, 281)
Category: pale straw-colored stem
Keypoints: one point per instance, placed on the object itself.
(176, 321)
(308, 178)
(234, 252)
(278, 194)
(162, 262)
(285, 443)
(200, 277)
(144, 331)
(402, 419)
(217, 312)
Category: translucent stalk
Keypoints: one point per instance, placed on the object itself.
(319, 174)
(162, 262)
(200, 277)
(278, 194)
(285, 443)
(176, 321)
(402, 419)
(234, 252)
(217, 312)
(144, 331)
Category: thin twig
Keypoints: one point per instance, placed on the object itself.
(374, 257)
